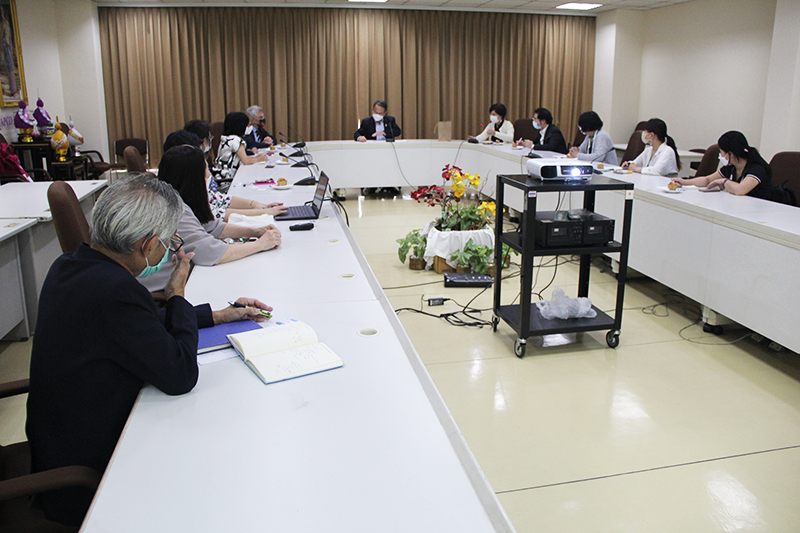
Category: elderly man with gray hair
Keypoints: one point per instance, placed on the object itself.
(100, 337)
(255, 135)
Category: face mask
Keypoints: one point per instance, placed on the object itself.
(723, 160)
(644, 138)
(206, 149)
(376, 117)
(494, 118)
(150, 270)
(536, 125)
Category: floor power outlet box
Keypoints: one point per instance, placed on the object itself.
(455, 279)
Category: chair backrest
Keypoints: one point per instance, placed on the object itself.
(579, 137)
(71, 226)
(635, 146)
(523, 129)
(709, 162)
(140, 144)
(133, 161)
(216, 131)
(786, 168)
(640, 125)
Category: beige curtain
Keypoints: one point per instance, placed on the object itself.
(319, 70)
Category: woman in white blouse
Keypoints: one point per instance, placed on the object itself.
(499, 129)
(660, 156)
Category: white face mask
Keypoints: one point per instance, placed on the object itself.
(494, 118)
(536, 125)
(644, 138)
(723, 160)
(376, 117)
(206, 149)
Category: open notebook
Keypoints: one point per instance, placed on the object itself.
(284, 352)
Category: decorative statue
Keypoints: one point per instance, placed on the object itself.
(43, 119)
(24, 123)
(60, 142)
(75, 137)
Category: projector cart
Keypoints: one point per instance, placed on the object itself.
(525, 318)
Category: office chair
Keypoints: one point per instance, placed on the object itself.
(635, 146)
(141, 145)
(68, 218)
(786, 170)
(709, 163)
(523, 129)
(133, 161)
(96, 166)
(18, 484)
(579, 137)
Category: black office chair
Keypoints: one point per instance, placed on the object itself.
(523, 129)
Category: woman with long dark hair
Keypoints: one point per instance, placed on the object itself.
(743, 171)
(232, 151)
(660, 156)
(184, 167)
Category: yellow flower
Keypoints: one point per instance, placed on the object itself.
(475, 181)
(486, 206)
(458, 189)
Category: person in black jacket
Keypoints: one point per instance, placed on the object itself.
(256, 136)
(379, 126)
(100, 338)
(550, 136)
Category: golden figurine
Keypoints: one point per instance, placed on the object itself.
(60, 142)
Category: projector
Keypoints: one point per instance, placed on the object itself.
(559, 169)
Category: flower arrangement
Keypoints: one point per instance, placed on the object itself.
(456, 216)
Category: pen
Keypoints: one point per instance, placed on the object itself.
(242, 306)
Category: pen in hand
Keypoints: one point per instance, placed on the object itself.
(242, 306)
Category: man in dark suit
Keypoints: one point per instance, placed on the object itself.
(100, 337)
(256, 136)
(550, 137)
(379, 126)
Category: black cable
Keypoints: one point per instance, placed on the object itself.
(338, 204)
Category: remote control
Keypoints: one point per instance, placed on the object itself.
(302, 227)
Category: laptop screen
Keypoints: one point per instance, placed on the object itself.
(319, 194)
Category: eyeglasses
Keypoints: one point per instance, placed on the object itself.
(175, 244)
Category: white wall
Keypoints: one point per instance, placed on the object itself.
(618, 67)
(781, 125)
(704, 68)
(61, 57)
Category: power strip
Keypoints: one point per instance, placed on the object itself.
(456, 279)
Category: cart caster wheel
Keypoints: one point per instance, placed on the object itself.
(519, 348)
(495, 322)
(612, 338)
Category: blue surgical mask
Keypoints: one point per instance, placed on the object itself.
(150, 270)
(536, 125)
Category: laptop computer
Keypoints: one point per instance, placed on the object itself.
(308, 211)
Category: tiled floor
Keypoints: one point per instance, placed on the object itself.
(659, 435)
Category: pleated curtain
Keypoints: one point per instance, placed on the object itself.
(319, 70)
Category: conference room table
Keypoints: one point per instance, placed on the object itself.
(13, 313)
(735, 256)
(369, 446)
(39, 245)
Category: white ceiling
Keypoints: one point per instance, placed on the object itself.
(521, 6)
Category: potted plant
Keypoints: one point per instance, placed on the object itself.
(415, 243)
(460, 220)
(473, 258)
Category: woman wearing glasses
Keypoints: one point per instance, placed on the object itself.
(184, 168)
(597, 146)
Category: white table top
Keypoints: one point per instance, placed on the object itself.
(11, 226)
(685, 154)
(366, 447)
(29, 200)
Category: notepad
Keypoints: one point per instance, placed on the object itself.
(284, 352)
(216, 337)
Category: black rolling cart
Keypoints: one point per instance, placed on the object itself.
(525, 317)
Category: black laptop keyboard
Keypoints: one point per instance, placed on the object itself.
(300, 211)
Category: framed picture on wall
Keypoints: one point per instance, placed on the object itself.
(12, 75)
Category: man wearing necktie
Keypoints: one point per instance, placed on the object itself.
(255, 135)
